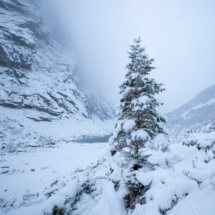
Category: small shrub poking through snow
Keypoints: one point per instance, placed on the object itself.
(136, 191)
(116, 184)
(59, 211)
(173, 204)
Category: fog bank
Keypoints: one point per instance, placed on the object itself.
(179, 35)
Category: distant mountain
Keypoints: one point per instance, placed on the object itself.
(197, 111)
(39, 80)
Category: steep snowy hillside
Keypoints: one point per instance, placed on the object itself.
(40, 88)
(197, 111)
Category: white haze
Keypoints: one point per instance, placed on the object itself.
(178, 34)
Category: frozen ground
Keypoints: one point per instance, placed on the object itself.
(182, 182)
(29, 178)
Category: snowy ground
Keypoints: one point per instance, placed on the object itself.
(32, 174)
(12, 120)
(183, 182)
(18, 133)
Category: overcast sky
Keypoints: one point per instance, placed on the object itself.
(179, 34)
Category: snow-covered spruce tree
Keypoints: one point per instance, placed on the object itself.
(138, 127)
(139, 122)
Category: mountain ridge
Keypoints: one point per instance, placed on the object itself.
(197, 111)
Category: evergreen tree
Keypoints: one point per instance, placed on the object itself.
(138, 122)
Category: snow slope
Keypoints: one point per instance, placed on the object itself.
(182, 182)
(196, 112)
(31, 178)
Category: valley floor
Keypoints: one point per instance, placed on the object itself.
(42, 170)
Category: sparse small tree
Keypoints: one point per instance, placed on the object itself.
(138, 122)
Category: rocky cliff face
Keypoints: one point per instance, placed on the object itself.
(34, 71)
(196, 112)
(40, 88)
